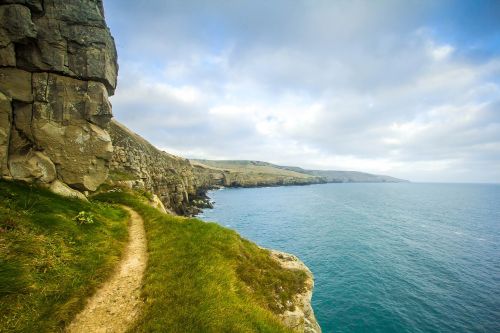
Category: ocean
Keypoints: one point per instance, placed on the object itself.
(405, 257)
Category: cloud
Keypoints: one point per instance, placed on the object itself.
(360, 85)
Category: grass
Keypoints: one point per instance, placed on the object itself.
(252, 173)
(49, 263)
(252, 167)
(119, 175)
(202, 277)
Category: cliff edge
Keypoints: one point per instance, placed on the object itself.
(231, 173)
(302, 317)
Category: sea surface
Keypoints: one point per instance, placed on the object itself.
(386, 257)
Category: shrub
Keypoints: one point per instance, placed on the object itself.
(84, 218)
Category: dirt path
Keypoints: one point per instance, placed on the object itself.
(115, 306)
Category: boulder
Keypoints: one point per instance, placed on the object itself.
(81, 151)
(60, 188)
(32, 166)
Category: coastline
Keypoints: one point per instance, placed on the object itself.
(202, 200)
(302, 318)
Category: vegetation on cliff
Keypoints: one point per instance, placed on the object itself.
(247, 174)
(336, 176)
(50, 260)
(234, 173)
(202, 277)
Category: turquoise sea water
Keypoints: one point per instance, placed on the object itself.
(386, 257)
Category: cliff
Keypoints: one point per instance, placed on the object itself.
(242, 173)
(138, 164)
(336, 176)
(57, 68)
(247, 174)
(301, 318)
(58, 65)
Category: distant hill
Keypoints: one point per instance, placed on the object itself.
(257, 173)
(335, 176)
(229, 173)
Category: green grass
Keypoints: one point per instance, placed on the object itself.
(119, 175)
(49, 264)
(252, 167)
(251, 173)
(202, 277)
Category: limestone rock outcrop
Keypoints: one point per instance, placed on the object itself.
(302, 318)
(58, 65)
(138, 164)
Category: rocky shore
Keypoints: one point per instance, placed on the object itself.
(301, 319)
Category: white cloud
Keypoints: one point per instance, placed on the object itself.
(442, 52)
(350, 85)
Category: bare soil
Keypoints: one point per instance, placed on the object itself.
(117, 304)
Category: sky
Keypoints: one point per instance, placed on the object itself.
(407, 88)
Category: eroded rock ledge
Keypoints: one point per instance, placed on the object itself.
(57, 68)
(302, 319)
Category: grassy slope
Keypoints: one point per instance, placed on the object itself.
(271, 170)
(353, 177)
(250, 166)
(255, 173)
(202, 277)
(48, 263)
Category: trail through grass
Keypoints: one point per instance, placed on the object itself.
(202, 277)
(49, 263)
(117, 303)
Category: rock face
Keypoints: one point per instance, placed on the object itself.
(211, 174)
(57, 68)
(302, 319)
(138, 164)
